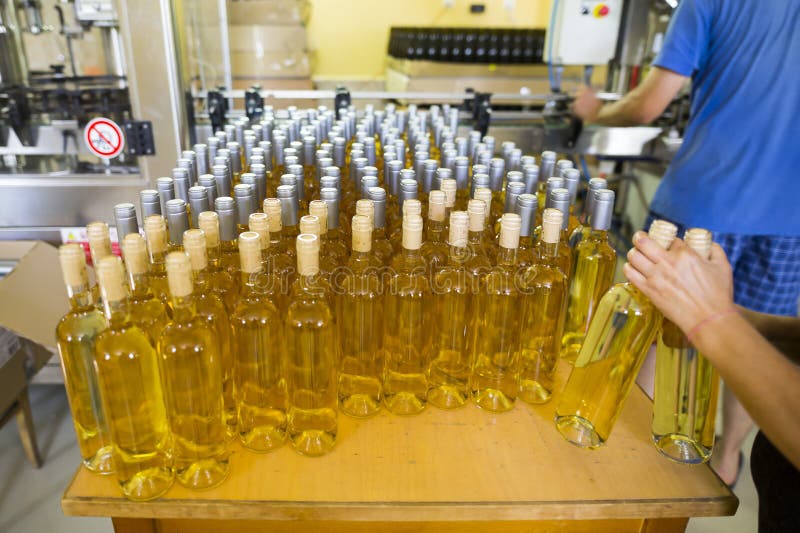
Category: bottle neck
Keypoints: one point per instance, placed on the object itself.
(117, 313)
(140, 287)
(183, 308)
(201, 279)
(80, 297)
(549, 250)
(475, 237)
(458, 255)
(434, 230)
(598, 234)
(213, 255)
(506, 256)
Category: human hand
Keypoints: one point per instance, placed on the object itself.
(586, 105)
(686, 288)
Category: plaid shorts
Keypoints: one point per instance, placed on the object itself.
(766, 270)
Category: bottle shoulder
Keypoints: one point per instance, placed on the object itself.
(182, 335)
(78, 324)
(542, 275)
(123, 340)
(255, 307)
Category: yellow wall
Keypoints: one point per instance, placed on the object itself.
(349, 37)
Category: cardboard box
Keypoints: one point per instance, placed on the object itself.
(283, 64)
(267, 38)
(268, 11)
(32, 301)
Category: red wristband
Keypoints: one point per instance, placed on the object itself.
(708, 319)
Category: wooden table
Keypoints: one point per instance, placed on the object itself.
(464, 470)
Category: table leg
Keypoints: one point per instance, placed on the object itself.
(27, 432)
(134, 525)
(664, 525)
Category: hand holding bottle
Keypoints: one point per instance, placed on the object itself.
(686, 288)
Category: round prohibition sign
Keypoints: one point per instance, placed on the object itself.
(104, 138)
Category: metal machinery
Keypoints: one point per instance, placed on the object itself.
(47, 181)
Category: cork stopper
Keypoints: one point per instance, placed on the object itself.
(366, 208)
(699, 240)
(309, 224)
(459, 222)
(134, 250)
(476, 209)
(551, 225)
(307, 254)
(73, 265)
(155, 229)
(99, 240)
(412, 232)
(111, 277)
(510, 225)
(208, 221)
(194, 242)
(484, 194)
(259, 222)
(250, 252)
(412, 206)
(272, 207)
(663, 233)
(179, 274)
(436, 206)
(362, 233)
(319, 209)
(449, 187)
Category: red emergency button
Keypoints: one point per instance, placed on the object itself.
(601, 10)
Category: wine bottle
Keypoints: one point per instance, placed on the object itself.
(155, 231)
(220, 280)
(147, 312)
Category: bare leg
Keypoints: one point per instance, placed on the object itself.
(647, 374)
(736, 424)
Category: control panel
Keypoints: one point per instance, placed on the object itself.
(583, 32)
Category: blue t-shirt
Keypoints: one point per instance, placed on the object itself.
(738, 170)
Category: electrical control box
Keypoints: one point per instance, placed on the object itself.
(583, 32)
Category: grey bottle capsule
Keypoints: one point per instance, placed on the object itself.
(213, 147)
(356, 168)
(572, 178)
(369, 150)
(309, 146)
(166, 191)
(442, 173)
(409, 190)
(191, 156)
(335, 172)
(452, 119)
(429, 167)
(479, 181)
(267, 147)
(449, 157)
(400, 148)
(257, 156)
(150, 201)
(526, 208)
(326, 182)
(419, 165)
(182, 181)
(250, 143)
(526, 160)
(547, 166)
(236, 156)
(260, 179)
(222, 179)
(328, 147)
(480, 169)
(297, 146)
(506, 147)
(392, 175)
(461, 172)
(461, 147)
(208, 182)
(201, 159)
(223, 138)
(514, 160)
(339, 146)
(258, 132)
(562, 165)
(278, 146)
(238, 131)
(290, 158)
(297, 170)
(489, 141)
(289, 204)
(245, 204)
(559, 199)
(368, 182)
(515, 176)
(177, 220)
(225, 206)
(595, 184)
(513, 190)
(473, 139)
(603, 209)
(553, 183)
(322, 164)
(531, 176)
(483, 158)
(198, 202)
(369, 171)
(125, 219)
(378, 197)
(330, 196)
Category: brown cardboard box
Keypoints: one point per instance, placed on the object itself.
(282, 64)
(32, 301)
(267, 38)
(268, 11)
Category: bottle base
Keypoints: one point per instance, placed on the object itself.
(447, 397)
(360, 405)
(204, 474)
(578, 431)
(492, 400)
(533, 392)
(263, 438)
(313, 442)
(404, 403)
(682, 449)
(148, 484)
(102, 462)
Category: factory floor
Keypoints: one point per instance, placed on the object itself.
(30, 498)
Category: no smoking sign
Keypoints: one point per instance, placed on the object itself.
(104, 138)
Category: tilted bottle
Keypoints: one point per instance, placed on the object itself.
(155, 231)
(594, 262)
(360, 321)
(76, 334)
(191, 373)
(544, 287)
(147, 312)
(220, 280)
(131, 394)
(686, 386)
(407, 338)
(312, 355)
(494, 330)
(454, 288)
(258, 374)
(616, 343)
(211, 309)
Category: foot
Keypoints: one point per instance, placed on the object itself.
(726, 464)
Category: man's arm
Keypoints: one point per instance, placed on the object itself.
(783, 332)
(641, 106)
